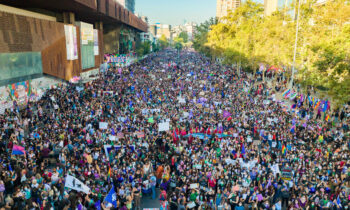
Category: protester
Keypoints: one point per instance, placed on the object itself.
(231, 142)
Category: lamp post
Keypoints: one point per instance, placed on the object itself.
(295, 47)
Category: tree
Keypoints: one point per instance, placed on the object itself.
(184, 36)
(327, 50)
(155, 47)
(178, 46)
(144, 48)
(247, 37)
(178, 43)
(201, 36)
(163, 41)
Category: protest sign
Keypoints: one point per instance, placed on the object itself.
(108, 148)
(274, 144)
(112, 138)
(182, 100)
(163, 126)
(103, 125)
(140, 134)
(186, 114)
(194, 186)
(120, 135)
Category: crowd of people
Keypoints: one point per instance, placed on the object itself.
(226, 142)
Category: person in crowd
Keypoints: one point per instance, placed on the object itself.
(182, 130)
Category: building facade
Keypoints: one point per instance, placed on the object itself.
(42, 40)
(273, 5)
(153, 30)
(189, 28)
(128, 4)
(163, 29)
(223, 7)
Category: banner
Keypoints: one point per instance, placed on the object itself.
(96, 51)
(68, 31)
(75, 43)
(71, 42)
(20, 92)
(109, 148)
(87, 32)
(76, 184)
(112, 197)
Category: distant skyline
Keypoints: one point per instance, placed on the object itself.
(176, 12)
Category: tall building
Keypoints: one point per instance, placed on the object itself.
(153, 30)
(224, 6)
(163, 29)
(273, 5)
(128, 4)
(189, 28)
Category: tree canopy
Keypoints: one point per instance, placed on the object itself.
(249, 37)
(163, 41)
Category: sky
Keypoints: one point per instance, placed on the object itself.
(176, 12)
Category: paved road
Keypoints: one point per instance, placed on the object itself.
(147, 202)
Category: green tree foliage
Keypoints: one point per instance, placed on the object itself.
(178, 43)
(201, 36)
(163, 41)
(184, 36)
(248, 37)
(144, 48)
(178, 46)
(155, 47)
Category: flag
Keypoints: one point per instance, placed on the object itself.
(310, 100)
(76, 184)
(338, 201)
(109, 173)
(326, 118)
(325, 106)
(284, 150)
(98, 205)
(226, 114)
(286, 93)
(80, 207)
(268, 184)
(317, 104)
(292, 129)
(112, 197)
(174, 135)
(304, 125)
(243, 149)
(18, 150)
(292, 96)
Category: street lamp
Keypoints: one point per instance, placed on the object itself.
(295, 47)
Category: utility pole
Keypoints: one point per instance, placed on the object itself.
(295, 47)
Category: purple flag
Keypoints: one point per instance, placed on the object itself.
(226, 114)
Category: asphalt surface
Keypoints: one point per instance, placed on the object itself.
(147, 202)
